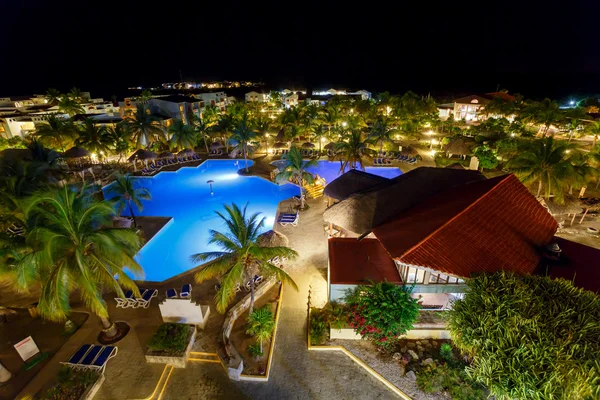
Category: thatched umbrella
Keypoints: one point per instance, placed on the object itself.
(458, 147)
(76, 152)
(216, 146)
(409, 151)
(142, 154)
(280, 145)
(329, 146)
(186, 152)
(308, 145)
(280, 136)
(571, 206)
(272, 239)
(166, 154)
(121, 222)
(590, 204)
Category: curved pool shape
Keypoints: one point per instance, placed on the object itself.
(185, 196)
(330, 170)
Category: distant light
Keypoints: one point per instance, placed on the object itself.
(567, 151)
(572, 102)
(344, 124)
(433, 152)
(322, 139)
(512, 135)
(430, 132)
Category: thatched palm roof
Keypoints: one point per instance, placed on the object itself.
(591, 203)
(76, 152)
(121, 222)
(142, 154)
(216, 146)
(308, 145)
(571, 206)
(361, 212)
(280, 145)
(458, 147)
(166, 154)
(409, 151)
(329, 146)
(351, 182)
(186, 152)
(272, 239)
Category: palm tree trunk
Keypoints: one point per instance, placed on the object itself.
(131, 212)
(381, 147)
(539, 192)
(205, 142)
(109, 328)
(251, 296)
(246, 158)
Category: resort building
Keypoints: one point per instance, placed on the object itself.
(363, 94)
(256, 97)
(433, 227)
(470, 108)
(290, 100)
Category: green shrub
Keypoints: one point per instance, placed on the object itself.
(337, 315)
(318, 326)
(170, 337)
(446, 352)
(382, 312)
(70, 384)
(530, 337)
(437, 378)
(261, 324)
(255, 350)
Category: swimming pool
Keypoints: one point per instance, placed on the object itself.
(185, 196)
(330, 170)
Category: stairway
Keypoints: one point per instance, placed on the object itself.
(315, 190)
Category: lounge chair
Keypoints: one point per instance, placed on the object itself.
(90, 356)
(288, 219)
(388, 161)
(148, 295)
(106, 354)
(171, 293)
(186, 291)
(79, 354)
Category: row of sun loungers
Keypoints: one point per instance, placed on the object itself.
(130, 301)
(378, 162)
(280, 151)
(157, 165)
(248, 286)
(90, 356)
(406, 159)
(186, 292)
(215, 153)
(310, 153)
(288, 219)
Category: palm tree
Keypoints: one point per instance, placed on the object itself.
(76, 249)
(594, 131)
(381, 132)
(295, 170)
(75, 94)
(352, 151)
(125, 194)
(145, 127)
(120, 137)
(70, 106)
(546, 163)
(182, 135)
(544, 113)
(240, 257)
(242, 136)
(261, 324)
(56, 132)
(202, 129)
(94, 138)
(53, 96)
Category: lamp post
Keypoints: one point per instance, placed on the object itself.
(267, 140)
(210, 182)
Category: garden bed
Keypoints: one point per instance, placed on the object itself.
(73, 384)
(171, 344)
(242, 341)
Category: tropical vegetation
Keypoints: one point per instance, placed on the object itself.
(261, 324)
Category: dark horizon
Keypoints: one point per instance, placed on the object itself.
(543, 50)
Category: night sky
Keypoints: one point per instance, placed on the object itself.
(536, 48)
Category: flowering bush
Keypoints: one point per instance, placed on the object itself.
(382, 312)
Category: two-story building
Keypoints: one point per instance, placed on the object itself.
(256, 97)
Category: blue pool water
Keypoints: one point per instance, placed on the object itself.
(330, 170)
(185, 196)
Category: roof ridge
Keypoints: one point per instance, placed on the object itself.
(503, 180)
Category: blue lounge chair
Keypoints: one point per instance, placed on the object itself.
(106, 354)
(79, 354)
(148, 295)
(288, 219)
(186, 291)
(171, 294)
(90, 356)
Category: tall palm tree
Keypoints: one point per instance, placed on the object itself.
(242, 136)
(182, 135)
(261, 324)
(295, 170)
(76, 249)
(125, 194)
(353, 150)
(381, 132)
(94, 138)
(70, 106)
(53, 96)
(120, 136)
(202, 129)
(240, 257)
(544, 113)
(56, 132)
(145, 127)
(594, 131)
(75, 94)
(545, 162)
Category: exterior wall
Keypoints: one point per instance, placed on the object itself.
(468, 111)
(291, 100)
(255, 97)
(14, 127)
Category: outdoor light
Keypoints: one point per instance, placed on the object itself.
(512, 135)
(433, 152)
(567, 151)
(344, 124)
(572, 102)
(322, 139)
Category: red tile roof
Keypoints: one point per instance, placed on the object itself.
(354, 262)
(483, 226)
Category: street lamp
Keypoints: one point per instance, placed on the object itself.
(430, 134)
(267, 140)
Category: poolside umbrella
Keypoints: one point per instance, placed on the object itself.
(166, 154)
(143, 155)
(570, 206)
(76, 152)
(308, 145)
(121, 222)
(272, 239)
(409, 151)
(458, 147)
(216, 146)
(280, 145)
(590, 204)
(186, 152)
(329, 146)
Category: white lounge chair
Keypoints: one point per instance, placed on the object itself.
(171, 293)
(148, 295)
(100, 361)
(186, 291)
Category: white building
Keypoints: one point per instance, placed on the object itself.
(255, 97)
(290, 100)
(363, 94)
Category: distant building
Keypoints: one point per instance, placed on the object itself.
(256, 97)
(363, 94)
(470, 108)
(290, 100)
